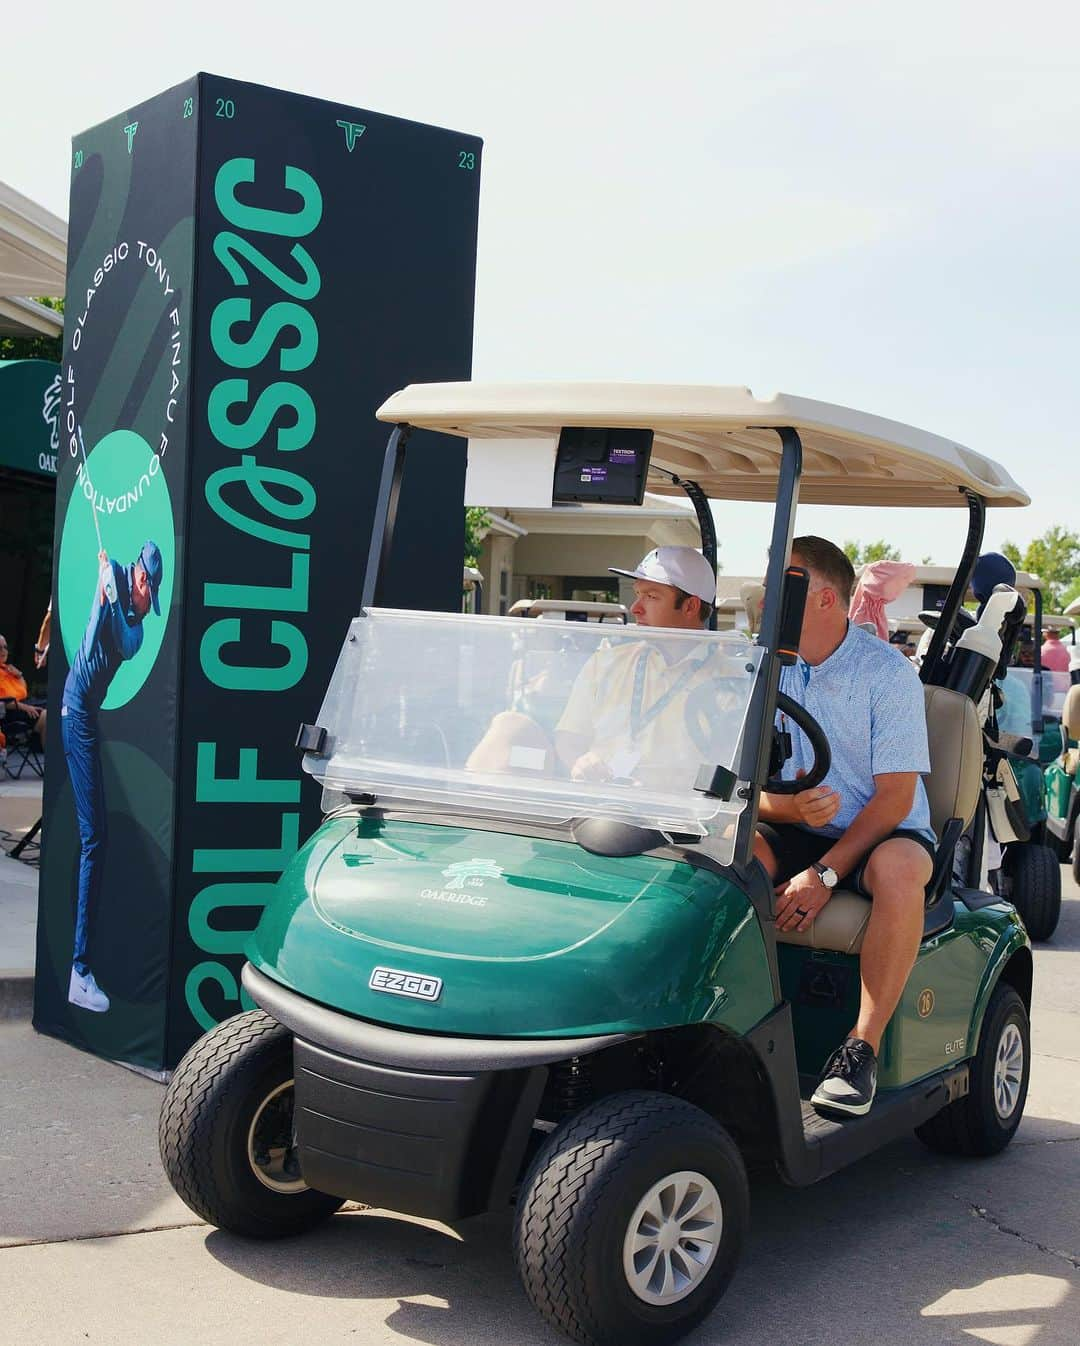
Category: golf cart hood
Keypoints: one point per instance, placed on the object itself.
(524, 935)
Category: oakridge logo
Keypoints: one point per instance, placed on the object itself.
(461, 875)
(462, 899)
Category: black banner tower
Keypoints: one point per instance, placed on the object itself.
(250, 273)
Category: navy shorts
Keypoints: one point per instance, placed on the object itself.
(797, 849)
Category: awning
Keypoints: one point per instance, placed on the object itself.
(30, 394)
(33, 261)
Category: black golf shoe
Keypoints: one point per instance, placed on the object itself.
(849, 1081)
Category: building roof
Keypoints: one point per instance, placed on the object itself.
(723, 439)
(33, 261)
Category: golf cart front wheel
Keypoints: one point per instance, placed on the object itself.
(1035, 877)
(226, 1132)
(985, 1120)
(631, 1220)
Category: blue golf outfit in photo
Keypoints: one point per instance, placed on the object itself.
(113, 634)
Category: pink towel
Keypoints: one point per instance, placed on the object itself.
(880, 583)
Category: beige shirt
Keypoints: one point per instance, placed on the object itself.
(657, 721)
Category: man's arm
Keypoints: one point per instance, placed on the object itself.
(880, 816)
(809, 808)
(802, 897)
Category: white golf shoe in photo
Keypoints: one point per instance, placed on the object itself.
(85, 992)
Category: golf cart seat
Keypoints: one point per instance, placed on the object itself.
(1070, 723)
(952, 787)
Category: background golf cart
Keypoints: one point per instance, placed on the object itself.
(571, 610)
(472, 590)
(1008, 845)
(1063, 775)
(624, 1002)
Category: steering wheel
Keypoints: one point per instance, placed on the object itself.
(819, 768)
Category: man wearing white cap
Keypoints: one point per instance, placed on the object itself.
(628, 714)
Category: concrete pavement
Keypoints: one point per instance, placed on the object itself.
(20, 806)
(905, 1247)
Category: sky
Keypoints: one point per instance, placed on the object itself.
(872, 205)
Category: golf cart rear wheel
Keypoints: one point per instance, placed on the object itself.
(1076, 852)
(985, 1120)
(226, 1132)
(631, 1220)
(1035, 875)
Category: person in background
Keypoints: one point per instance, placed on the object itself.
(41, 646)
(13, 694)
(1054, 654)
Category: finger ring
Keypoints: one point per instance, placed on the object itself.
(799, 912)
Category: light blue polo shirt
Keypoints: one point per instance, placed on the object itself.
(868, 699)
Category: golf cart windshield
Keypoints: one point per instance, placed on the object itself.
(1022, 708)
(547, 721)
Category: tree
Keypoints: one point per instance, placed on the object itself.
(1055, 558)
(860, 554)
(476, 525)
(35, 347)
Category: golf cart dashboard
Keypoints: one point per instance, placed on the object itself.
(601, 466)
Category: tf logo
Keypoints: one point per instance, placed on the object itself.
(925, 1003)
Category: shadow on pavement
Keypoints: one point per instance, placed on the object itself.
(905, 1247)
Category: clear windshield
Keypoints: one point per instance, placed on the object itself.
(537, 719)
(1017, 715)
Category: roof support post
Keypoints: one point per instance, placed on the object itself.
(706, 526)
(932, 665)
(757, 740)
(386, 507)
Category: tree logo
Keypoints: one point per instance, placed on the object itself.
(50, 412)
(471, 873)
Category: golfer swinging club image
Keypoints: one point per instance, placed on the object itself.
(123, 595)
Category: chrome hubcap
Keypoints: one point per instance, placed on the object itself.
(1008, 1071)
(270, 1148)
(672, 1238)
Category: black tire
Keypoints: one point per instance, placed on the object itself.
(240, 1071)
(973, 1125)
(1076, 851)
(582, 1192)
(1035, 878)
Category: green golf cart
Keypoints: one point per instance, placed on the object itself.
(484, 986)
(1009, 845)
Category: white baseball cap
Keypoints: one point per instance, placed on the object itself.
(683, 567)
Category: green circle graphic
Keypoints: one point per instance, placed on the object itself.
(133, 506)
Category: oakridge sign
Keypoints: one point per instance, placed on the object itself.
(29, 416)
(255, 272)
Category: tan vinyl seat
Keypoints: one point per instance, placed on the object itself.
(1070, 722)
(1070, 713)
(952, 788)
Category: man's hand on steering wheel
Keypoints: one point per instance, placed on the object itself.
(816, 807)
(800, 899)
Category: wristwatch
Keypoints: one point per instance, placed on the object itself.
(827, 875)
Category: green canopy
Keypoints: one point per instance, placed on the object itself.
(30, 416)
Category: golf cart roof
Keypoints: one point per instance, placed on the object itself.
(943, 576)
(723, 439)
(1061, 621)
(1073, 610)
